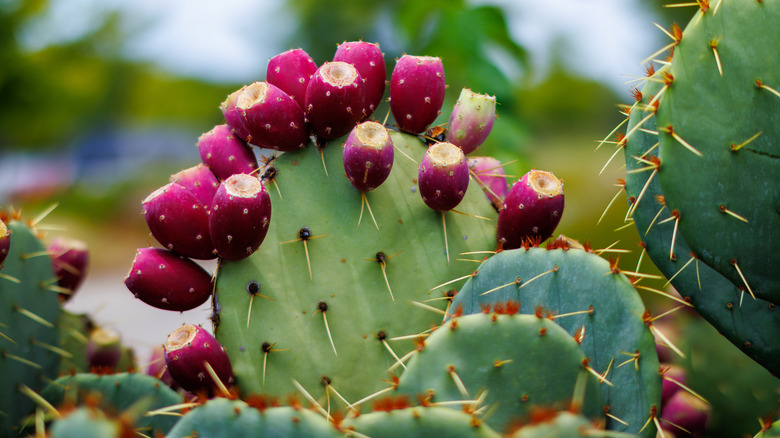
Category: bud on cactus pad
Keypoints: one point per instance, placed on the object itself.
(225, 153)
(532, 209)
(291, 71)
(368, 156)
(240, 216)
(272, 118)
(471, 120)
(335, 99)
(369, 61)
(200, 181)
(232, 114)
(189, 352)
(417, 88)
(179, 221)
(443, 176)
(70, 258)
(168, 281)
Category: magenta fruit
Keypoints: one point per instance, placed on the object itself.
(179, 221)
(369, 61)
(225, 153)
(232, 114)
(471, 120)
(490, 176)
(669, 388)
(168, 281)
(189, 353)
(70, 259)
(443, 176)
(368, 156)
(157, 368)
(103, 350)
(687, 412)
(200, 181)
(417, 90)
(240, 215)
(532, 210)
(273, 119)
(335, 99)
(291, 72)
(5, 242)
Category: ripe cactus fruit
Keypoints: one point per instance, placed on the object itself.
(240, 216)
(491, 177)
(199, 180)
(719, 142)
(232, 114)
(5, 242)
(519, 361)
(369, 61)
(168, 281)
(443, 176)
(420, 422)
(603, 311)
(291, 72)
(272, 118)
(196, 360)
(104, 350)
(335, 99)
(368, 156)
(179, 221)
(70, 258)
(471, 120)
(225, 153)
(685, 411)
(532, 209)
(417, 88)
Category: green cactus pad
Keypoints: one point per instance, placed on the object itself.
(728, 200)
(562, 425)
(419, 422)
(749, 324)
(522, 362)
(346, 277)
(117, 393)
(234, 418)
(772, 432)
(86, 423)
(29, 352)
(616, 337)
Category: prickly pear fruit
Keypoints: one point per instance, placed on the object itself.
(232, 114)
(199, 180)
(369, 61)
(239, 218)
(471, 120)
(189, 353)
(5, 242)
(272, 118)
(103, 350)
(179, 221)
(291, 71)
(335, 99)
(532, 209)
(491, 177)
(168, 281)
(225, 153)
(443, 176)
(685, 411)
(368, 156)
(70, 258)
(417, 88)
(157, 368)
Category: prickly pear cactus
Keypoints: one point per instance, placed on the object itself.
(327, 292)
(420, 422)
(720, 141)
(29, 310)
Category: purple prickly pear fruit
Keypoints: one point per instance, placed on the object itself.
(335, 99)
(240, 215)
(272, 117)
(5, 242)
(368, 156)
(471, 120)
(532, 209)
(233, 114)
(369, 61)
(168, 281)
(443, 176)
(200, 181)
(103, 350)
(491, 177)
(225, 153)
(157, 368)
(687, 412)
(669, 388)
(69, 258)
(188, 350)
(179, 221)
(291, 71)
(417, 90)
